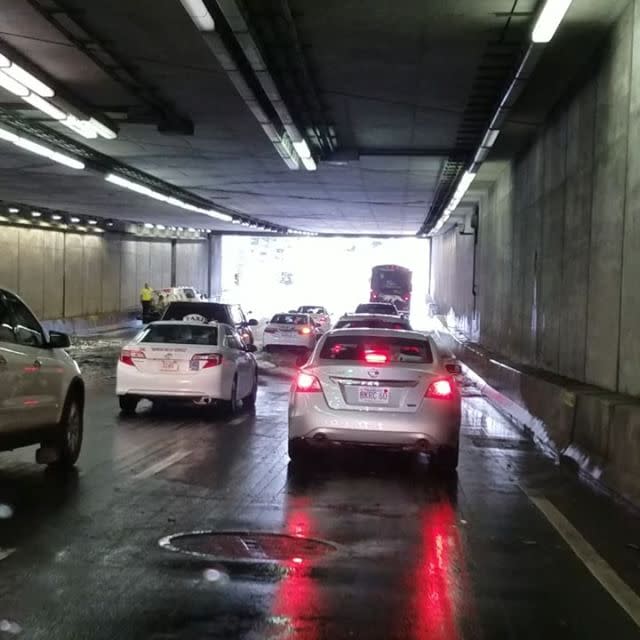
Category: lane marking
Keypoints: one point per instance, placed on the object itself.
(601, 570)
(5, 553)
(162, 464)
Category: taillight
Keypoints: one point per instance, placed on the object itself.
(208, 359)
(440, 390)
(127, 356)
(406, 298)
(305, 331)
(374, 296)
(270, 330)
(375, 357)
(306, 383)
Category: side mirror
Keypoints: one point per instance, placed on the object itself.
(250, 348)
(453, 368)
(253, 322)
(58, 340)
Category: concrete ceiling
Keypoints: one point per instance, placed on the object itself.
(402, 86)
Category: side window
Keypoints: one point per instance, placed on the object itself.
(231, 339)
(6, 322)
(236, 314)
(26, 328)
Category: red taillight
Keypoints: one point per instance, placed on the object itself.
(374, 296)
(406, 298)
(305, 331)
(306, 383)
(375, 357)
(440, 390)
(208, 359)
(270, 330)
(127, 356)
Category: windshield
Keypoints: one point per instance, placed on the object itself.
(372, 324)
(374, 307)
(314, 310)
(180, 334)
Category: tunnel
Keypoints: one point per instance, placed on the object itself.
(318, 319)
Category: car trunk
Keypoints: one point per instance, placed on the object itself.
(169, 358)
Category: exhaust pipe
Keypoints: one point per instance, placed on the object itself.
(202, 402)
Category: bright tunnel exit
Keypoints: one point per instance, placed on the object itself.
(267, 275)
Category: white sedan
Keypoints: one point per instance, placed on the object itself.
(376, 387)
(193, 361)
(296, 330)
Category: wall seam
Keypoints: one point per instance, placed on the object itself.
(559, 368)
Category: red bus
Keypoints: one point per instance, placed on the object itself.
(392, 283)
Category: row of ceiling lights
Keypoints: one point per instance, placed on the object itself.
(38, 94)
(544, 28)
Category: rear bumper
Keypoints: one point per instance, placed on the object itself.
(295, 340)
(310, 419)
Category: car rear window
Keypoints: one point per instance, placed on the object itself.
(180, 334)
(314, 310)
(289, 318)
(371, 324)
(376, 308)
(361, 346)
(209, 310)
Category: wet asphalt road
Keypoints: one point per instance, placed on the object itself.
(416, 556)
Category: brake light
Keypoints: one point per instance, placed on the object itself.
(306, 383)
(375, 357)
(374, 296)
(270, 330)
(305, 331)
(209, 359)
(406, 297)
(440, 390)
(127, 356)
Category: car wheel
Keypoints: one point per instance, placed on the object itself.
(69, 441)
(446, 459)
(250, 401)
(128, 405)
(231, 405)
(298, 451)
(266, 348)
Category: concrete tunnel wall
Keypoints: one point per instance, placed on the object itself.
(558, 253)
(65, 275)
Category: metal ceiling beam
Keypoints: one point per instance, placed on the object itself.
(70, 21)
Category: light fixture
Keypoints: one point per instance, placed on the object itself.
(109, 224)
(12, 86)
(244, 223)
(13, 210)
(490, 138)
(102, 129)
(40, 150)
(549, 20)
(92, 221)
(161, 227)
(74, 220)
(236, 221)
(17, 73)
(46, 107)
(22, 221)
(36, 214)
(302, 149)
(148, 225)
(56, 216)
(191, 229)
(199, 13)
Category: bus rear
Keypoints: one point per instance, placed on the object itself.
(392, 283)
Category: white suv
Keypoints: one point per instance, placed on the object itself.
(41, 389)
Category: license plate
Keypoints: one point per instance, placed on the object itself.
(378, 395)
(169, 365)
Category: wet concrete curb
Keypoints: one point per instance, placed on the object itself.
(93, 325)
(592, 428)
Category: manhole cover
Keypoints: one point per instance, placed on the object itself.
(247, 546)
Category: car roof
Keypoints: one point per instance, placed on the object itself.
(303, 314)
(382, 333)
(193, 323)
(371, 316)
(367, 304)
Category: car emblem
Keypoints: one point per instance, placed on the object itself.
(374, 373)
(167, 356)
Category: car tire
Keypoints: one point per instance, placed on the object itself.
(231, 406)
(69, 441)
(250, 401)
(446, 459)
(298, 451)
(128, 405)
(267, 348)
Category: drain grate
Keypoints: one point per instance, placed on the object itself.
(247, 546)
(501, 443)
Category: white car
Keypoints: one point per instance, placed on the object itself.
(372, 321)
(376, 387)
(319, 315)
(42, 391)
(296, 330)
(189, 360)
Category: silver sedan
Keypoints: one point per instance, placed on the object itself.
(376, 387)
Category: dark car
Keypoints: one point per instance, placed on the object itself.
(231, 314)
(383, 308)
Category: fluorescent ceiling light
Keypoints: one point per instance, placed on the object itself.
(13, 210)
(549, 20)
(36, 214)
(236, 221)
(81, 127)
(56, 216)
(46, 107)
(490, 137)
(40, 150)
(93, 222)
(148, 225)
(75, 220)
(102, 129)
(12, 86)
(302, 149)
(199, 13)
(29, 81)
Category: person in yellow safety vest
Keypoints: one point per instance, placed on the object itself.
(146, 296)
